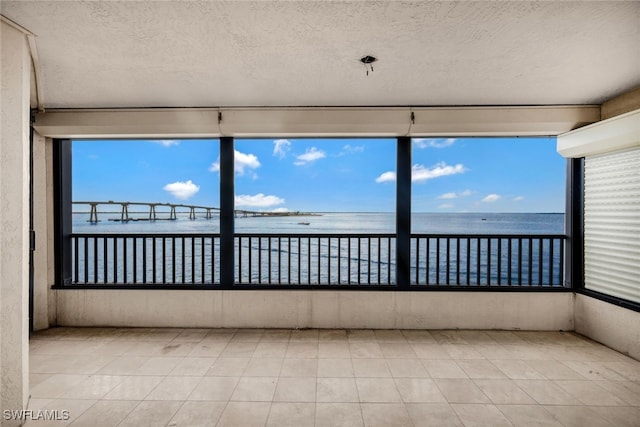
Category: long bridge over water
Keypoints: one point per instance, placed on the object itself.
(207, 212)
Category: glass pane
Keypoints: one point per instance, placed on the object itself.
(469, 193)
(145, 212)
(324, 205)
(315, 185)
(487, 185)
(142, 173)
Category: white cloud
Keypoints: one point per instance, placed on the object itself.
(453, 195)
(518, 199)
(386, 177)
(280, 210)
(311, 155)
(167, 142)
(258, 200)
(182, 190)
(448, 196)
(349, 149)
(433, 143)
(242, 162)
(446, 206)
(419, 173)
(491, 198)
(281, 147)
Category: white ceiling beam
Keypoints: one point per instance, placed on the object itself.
(628, 101)
(128, 124)
(501, 121)
(314, 122)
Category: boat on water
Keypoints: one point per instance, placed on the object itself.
(303, 223)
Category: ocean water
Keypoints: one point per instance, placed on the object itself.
(334, 223)
(321, 256)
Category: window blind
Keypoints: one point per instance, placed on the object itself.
(612, 223)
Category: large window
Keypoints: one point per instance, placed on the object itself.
(484, 212)
(145, 212)
(313, 211)
(491, 192)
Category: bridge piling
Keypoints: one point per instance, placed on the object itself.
(207, 211)
(124, 214)
(93, 214)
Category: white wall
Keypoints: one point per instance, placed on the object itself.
(613, 326)
(14, 220)
(316, 309)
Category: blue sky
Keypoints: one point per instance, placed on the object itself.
(321, 175)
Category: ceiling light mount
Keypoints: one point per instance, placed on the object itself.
(368, 61)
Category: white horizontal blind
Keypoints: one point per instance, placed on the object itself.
(612, 224)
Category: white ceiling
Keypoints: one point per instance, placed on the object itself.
(306, 53)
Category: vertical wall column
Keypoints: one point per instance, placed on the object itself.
(227, 206)
(32, 232)
(403, 212)
(62, 210)
(574, 224)
(15, 72)
(42, 226)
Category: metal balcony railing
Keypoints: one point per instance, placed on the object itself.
(146, 259)
(315, 259)
(308, 260)
(487, 260)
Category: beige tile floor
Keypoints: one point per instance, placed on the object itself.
(224, 377)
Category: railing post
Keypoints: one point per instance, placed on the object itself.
(227, 204)
(62, 211)
(403, 213)
(574, 224)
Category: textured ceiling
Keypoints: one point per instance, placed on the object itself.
(306, 53)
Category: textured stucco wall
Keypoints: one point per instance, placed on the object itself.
(14, 220)
(294, 53)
